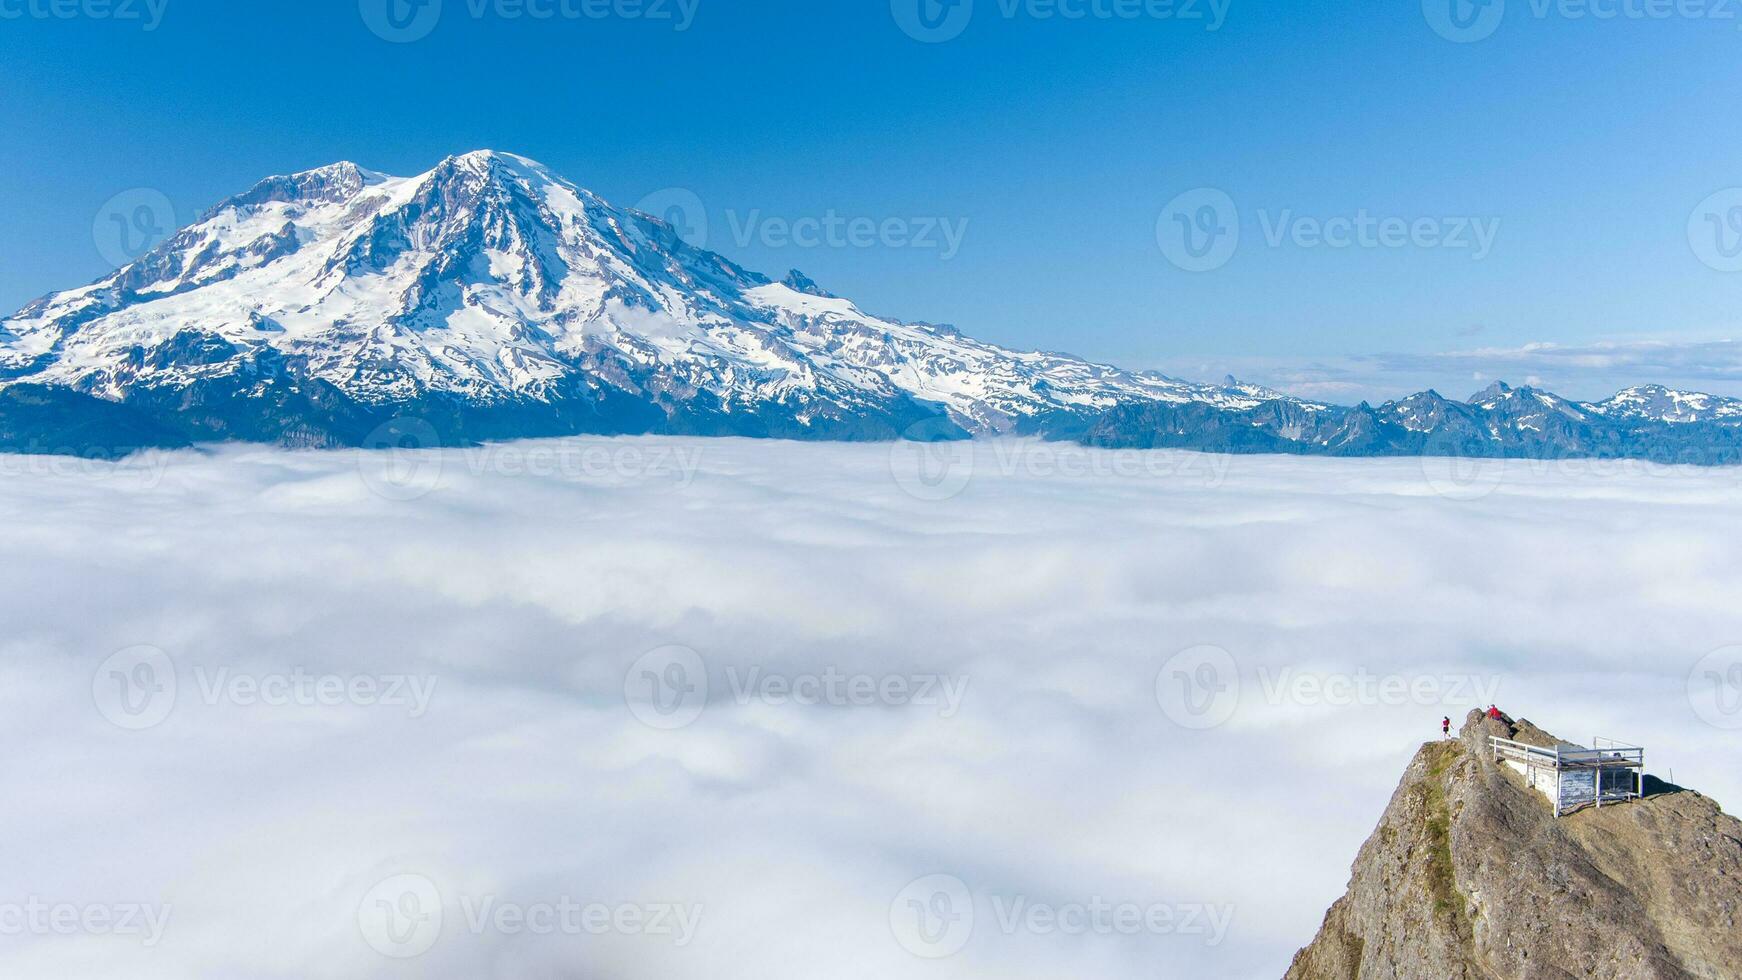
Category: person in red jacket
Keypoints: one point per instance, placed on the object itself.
(1493, 712)
(1446, 726)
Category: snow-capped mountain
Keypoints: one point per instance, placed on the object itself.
(490, 298)
(1659, 404)
(492, 283)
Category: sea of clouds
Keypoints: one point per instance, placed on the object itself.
(704, 710)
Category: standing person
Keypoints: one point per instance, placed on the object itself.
(1446, 726)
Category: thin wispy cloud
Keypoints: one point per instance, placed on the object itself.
(1645, 361)
(1582, 371)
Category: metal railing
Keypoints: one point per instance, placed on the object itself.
(1506, 748)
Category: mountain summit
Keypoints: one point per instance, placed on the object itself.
(491, 298)
(1471, 876)
(490, 288)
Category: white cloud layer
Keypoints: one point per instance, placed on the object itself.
(299, 809)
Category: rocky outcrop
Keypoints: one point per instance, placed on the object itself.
(1470, 876)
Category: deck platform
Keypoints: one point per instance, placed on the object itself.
(1573, 776)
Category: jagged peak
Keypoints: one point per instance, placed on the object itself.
(1493, 392)
(333, 183)
(1470, 872)
(1646, 389)
(801, 283)
(487, 162)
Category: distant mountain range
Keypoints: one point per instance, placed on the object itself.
(491, 299)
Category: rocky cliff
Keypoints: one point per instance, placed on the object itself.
(1470, 876)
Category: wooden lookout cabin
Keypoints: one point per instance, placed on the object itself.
(1573, 776)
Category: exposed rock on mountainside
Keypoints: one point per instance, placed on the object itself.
(1470, 876)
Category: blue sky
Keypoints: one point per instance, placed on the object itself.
(1534, 186)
